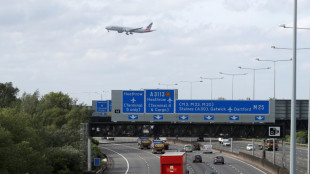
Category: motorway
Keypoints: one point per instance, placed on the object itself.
(125, 157)
(301, 154)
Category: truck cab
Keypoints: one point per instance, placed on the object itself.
(269, 144)
(144, 142)
(164, 139)
(158, 146)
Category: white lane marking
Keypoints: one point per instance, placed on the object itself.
(247, 164)
(190, 167)
(138, 149)
(147, 164)
(121, 156)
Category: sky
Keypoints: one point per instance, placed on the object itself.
(57, 45)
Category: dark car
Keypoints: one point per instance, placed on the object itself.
(197, 158)
(196, 147)
(218, 159)
(200, 139)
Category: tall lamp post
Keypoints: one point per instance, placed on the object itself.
(232, 81)
(274, 72)
(167, 85)
(211, 79)
(191, 85)
(254, 69)
(293, 100)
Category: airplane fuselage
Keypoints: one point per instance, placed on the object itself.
(129, 30)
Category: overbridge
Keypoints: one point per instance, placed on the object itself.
(103, 127)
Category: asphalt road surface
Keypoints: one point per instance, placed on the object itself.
(125, 157)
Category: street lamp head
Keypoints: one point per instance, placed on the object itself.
(220, 72)
(239, 67)
(273, 46)
(268, 67)
(257, 59)
(282, 25)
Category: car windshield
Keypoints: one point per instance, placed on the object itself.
(219, 157)
(249, 144)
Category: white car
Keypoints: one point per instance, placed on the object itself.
(250, 147)
(188, 148)
(226, 143)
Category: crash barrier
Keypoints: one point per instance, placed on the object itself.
(262, 164)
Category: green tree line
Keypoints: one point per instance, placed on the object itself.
(40, 134)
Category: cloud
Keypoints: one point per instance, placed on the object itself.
(63, 45)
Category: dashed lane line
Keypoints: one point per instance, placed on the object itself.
(147, 164)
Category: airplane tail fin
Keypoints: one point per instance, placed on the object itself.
(148, 28)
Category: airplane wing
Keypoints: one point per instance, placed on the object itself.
(134, 29)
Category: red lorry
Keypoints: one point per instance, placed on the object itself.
(173, 162)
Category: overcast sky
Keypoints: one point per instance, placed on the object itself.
(57, 45)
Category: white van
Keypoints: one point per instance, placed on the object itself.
(207, 148)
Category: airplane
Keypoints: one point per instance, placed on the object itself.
(129, 30)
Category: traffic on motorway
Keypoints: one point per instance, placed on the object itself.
(146, 155)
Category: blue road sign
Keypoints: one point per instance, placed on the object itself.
(222, 106)
(158, 117)
(102, 106)
(133, 117)
(234, 117)
(259, 117)
(133, 101)
(159, 101)
(208, 117)
(110, 105)
(96, 161)
(183, 117)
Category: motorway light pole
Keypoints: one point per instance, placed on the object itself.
(274, 47)
(191, 85)
(274, 72)
(293, 101)
(284, 26)
(254, 69)
(232, 82)
(167, 85)
(211, 79)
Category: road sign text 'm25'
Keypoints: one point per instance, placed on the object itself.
(222, 106)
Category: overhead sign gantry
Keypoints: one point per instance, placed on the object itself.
(162, 105)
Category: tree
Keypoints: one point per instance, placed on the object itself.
(55, 100)
(7, 94)
(29, 102)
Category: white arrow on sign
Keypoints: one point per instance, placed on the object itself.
(132, 116)
(158, 117)
(234, 117)
(209, 117)
(260, 117)
(183, 117)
